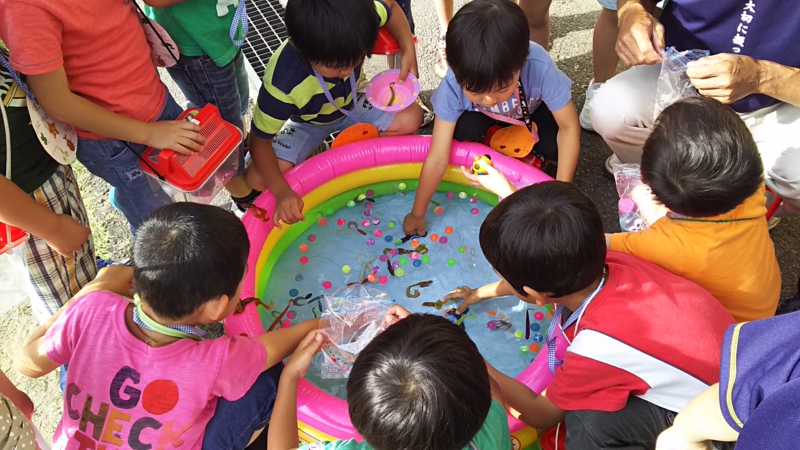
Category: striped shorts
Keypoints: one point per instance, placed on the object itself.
(55, 278)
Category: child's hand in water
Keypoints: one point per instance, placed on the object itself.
(414, 224)
(468, 295)
(305, 351)
(288, 208)
(395, 314)
(493, 181)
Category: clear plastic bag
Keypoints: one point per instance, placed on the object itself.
(353, 316)
(629, 178)
(673, 84)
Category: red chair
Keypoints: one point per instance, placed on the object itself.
(773, 207)
(388, 46)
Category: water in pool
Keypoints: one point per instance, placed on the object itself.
(350, 244)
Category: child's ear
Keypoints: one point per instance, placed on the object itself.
(217, 309)
(538, 298)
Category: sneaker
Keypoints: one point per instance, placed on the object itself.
(611, 161)
(585, 118)
(773, 222)
(112, 198)
(441, 58)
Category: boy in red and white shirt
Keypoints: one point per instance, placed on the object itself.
(644, 342)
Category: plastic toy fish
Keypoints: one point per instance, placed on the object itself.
(477, 164)
(496, 314)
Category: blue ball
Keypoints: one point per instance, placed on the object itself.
(535, 327)
(537, 337)
(388, 239)
(293, 292)
(417, 263)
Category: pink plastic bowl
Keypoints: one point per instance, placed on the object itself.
(382, 86)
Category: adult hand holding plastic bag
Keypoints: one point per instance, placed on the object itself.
(673, 83)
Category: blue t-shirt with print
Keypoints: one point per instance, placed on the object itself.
(762, 29)
(541, 80)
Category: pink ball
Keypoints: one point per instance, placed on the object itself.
(414, 256)
(450, 195)
(393, 252)
(370, 241)
(340, 222)
(443, 240)
(327, 285)
(368, 206)
(304, 260)
(538, 315)
(365, 223)
(473, 200)
(286, 324)
(492, 325)
(475, 211)
(378, 233)
(384, 258)
(626, 205)
(290, 315)
(383, 279)
(369, 193)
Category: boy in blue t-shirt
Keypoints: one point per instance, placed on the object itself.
(493, 66)
(309, 89)
(755, 402)
(420, 384)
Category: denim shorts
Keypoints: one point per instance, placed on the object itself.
(202, 81)
(115, 163)
(297, 140)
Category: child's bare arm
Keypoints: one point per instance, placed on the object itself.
(432, 172)
(399, 29)
(32, 360)
(288, 205)
(471, 296)
(17, 397)
(282, 342)
(569, 141)
(537, 411)
(53, 93)
(60, 231)
(698, 423)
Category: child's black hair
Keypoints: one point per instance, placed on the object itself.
(336, 33)
(186, 254)
(419, 385)
(548, 237)
(701, 159)
(487, 42)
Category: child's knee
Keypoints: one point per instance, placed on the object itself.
(407, 121)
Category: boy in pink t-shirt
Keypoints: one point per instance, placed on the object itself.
(141, 374)
(88, 64)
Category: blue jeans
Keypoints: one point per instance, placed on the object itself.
(234, 423)
(202, 81)
(114, 162)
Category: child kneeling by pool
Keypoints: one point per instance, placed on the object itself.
(496, 77)
(142, 374)
(629, 370)
(421, 384)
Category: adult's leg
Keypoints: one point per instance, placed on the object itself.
(538, 14)
(235, 423)
(622, 111)
(604, 41)
(635, 427)
(776, 132)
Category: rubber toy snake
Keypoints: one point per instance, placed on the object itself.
(437, 304)
(415, 292)
(351, 225)
(258, 212)
(242, 303)
(409, 237)
(421, 249)
(502, 325)
(393, 97)
(293, 302)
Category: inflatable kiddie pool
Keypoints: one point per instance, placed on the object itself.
(328, 182)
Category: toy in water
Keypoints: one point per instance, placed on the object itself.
(478, 164)
(453, 316)
(498, 324)
(387, 93)
(629, 218)
(515, 141)
(11, 237)
(197, 177)
(414, 293)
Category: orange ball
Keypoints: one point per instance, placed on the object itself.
(414, 243)
(434, 237)
(534, 348)
(371, 277)
(448, 230)
(303, 247)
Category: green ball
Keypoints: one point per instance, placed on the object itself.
(462, 194)
(519, 334)
(399, 272)
(524, 349)
(345, 269)
(426, 259)
(361, 197)
(398, 242)
(329, 211)
(403, 261)
(462, 249)
(351, 204)
(402, 186)
(391, 224)
(451, 262)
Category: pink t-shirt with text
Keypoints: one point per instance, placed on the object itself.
(122, 393)
(100, 44)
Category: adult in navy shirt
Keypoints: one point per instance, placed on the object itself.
(753, 67)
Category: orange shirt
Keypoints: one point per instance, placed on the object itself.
(733, 260)
(100, 44)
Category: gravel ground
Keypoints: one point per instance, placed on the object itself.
(572, 24)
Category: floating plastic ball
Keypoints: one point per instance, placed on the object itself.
(438, 210)
(399, 272)
(299, 277)
(538, 315)
(434, 237)
(346, 269)
(312, 238)
(371, 277)
(365, 223)
(414, 256)
(370, 192)
(403, 261)
(361, 197)
(443, 240)
(395, 264)
(290, 315)
(383, 279)
(303, 247)
(473, 200)
(451, 262)
(388, 238)
(391, 224)
(417, 263)
(462, 249)
(293, 292)
(340, 222)
(351, 204)
(376, 269)
(462, 194)
(414, 243)
(537, 337)
(329, 211)
(286, 324)
(448, 230)
(450, 195)
(492, 325)
(327, 285)
(368, 206)
(370, 241)
(384, 258)
(367, 212)
(534, 348)
(475, 211)
(393, 252)
(524, 349)
(519, 334)
(322, 222)
(378, 233)
(402, 186)
(376, 221)
(535, 327)
(398, 242)
(304, 260)
(426, 259)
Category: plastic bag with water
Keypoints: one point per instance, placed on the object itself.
(628, 178)
(673, 84)
(353, 316)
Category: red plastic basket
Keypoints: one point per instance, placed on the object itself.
(17, 237)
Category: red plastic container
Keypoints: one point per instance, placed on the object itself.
(200, 176)
(17, 237)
